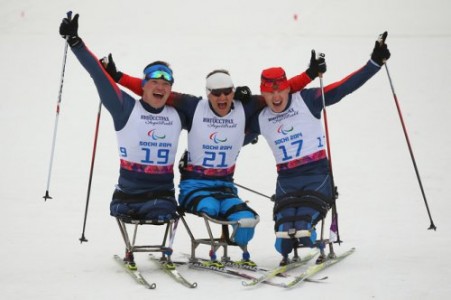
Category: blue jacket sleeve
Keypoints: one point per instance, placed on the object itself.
(252, 109)
(116, 101)
(186, 105)
(254, 126)
(334, 92)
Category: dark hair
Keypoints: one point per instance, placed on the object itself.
(159, 62)
(218, 71)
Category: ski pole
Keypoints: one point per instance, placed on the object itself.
(93, 158)
(66, 46)
(431, 226)
(253, 191)
(334, 233)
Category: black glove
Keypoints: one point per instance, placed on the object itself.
(69, 30)
(110, 67)
(243, 94)
(380, 52)
(317, 65)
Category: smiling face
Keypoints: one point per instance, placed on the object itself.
(221, 100)
(220, 91)
(277, 100)
(156, 92)
(157, 83)
(275, 88)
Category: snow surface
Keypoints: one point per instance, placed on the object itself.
(381, 209)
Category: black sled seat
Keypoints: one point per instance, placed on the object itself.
(129, 226)
(223, 240)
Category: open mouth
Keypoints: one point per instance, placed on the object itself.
(158, 95)
(277, 103)
(222, 105)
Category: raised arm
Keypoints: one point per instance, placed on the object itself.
(119, 104)
(336, 91)
(316, 67)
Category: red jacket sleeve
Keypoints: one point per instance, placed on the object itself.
(299, 82)
(132, 83)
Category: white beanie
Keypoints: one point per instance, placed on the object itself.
(219, 80)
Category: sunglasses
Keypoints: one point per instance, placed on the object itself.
(219, 92)
(159, 74)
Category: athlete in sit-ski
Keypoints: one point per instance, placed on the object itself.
(216, 132)
(147, 137)
(147, 134)
(292, 127)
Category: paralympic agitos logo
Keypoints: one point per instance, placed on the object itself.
(216, 139)
(283, 130)
(153, 134)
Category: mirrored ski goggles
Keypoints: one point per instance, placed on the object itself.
(219, 92)
(158, 72)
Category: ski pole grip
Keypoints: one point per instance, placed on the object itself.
(69, 14)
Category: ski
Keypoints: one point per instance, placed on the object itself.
(171, 270)
(229, 270)
(233, 264)
(135, 274)
(279, 270)
(228, 263)
(226, 271)
(314, 269)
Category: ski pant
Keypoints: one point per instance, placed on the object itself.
(300, 212)
(219, 200)
(144, 206)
